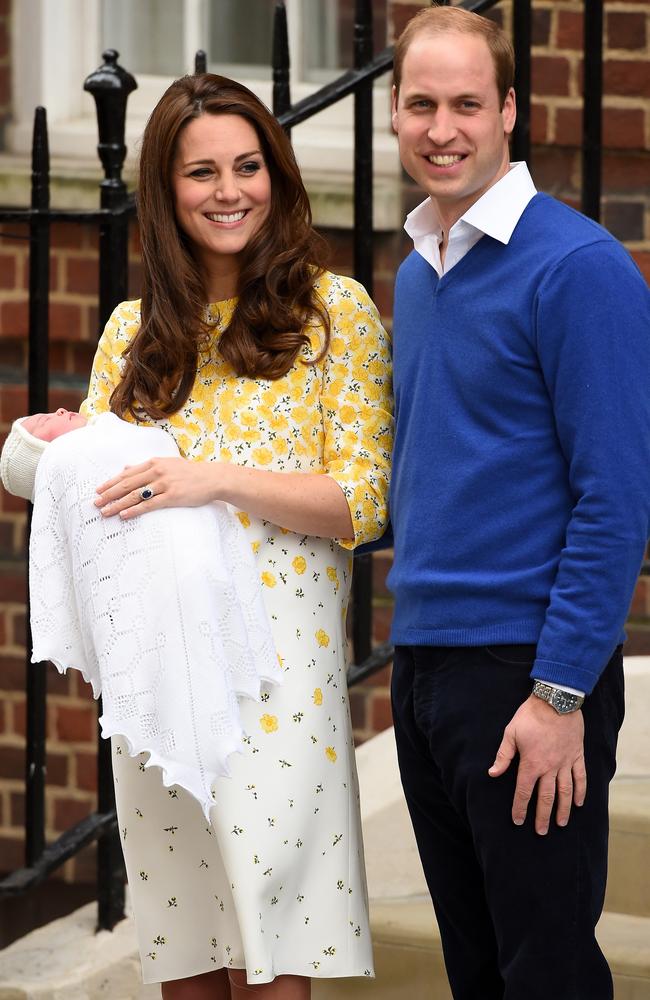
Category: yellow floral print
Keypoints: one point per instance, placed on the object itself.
(318, 696)
(268, 579)
(322, 638)
(244, 518)
(331, 417)
(299, 564)
(333, 575)
(330, 753)
(269, 723)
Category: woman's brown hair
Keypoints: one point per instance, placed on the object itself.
(277, 297)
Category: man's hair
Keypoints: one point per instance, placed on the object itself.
(445, 20)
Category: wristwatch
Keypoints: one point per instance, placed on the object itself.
(562, 701)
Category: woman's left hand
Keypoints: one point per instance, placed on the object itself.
(173, 482)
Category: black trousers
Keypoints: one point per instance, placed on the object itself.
(516, 910)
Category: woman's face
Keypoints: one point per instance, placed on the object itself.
(221, 184)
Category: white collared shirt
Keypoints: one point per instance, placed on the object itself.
(495, 214)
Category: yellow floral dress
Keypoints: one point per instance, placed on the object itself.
(276, 883)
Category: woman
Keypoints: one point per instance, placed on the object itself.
(272, 375)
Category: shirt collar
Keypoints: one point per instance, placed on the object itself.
(495, 214)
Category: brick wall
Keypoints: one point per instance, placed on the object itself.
(73, 279)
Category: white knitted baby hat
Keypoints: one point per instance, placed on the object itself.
(20, 456)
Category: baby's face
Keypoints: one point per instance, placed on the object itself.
(47, 426)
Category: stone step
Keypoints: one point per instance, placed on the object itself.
(628, 881)
(408, 956)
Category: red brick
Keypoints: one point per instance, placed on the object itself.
(627, 77)
(69, 398)
(82, 275)
(7, 551)
(550, 75)
(19, 718)
(539, 123)
(624, 128)
(12, 672)
(382, 618)
(554, 169)
(541, 27)
(66, 321)
(569, 30)
(17, 629)
(58, 769)
(69, 811)
(12, 763)
(626, 30)
(13, 353)
(638, 640)
(380, 679)
(58, 356)
(5, 8)
(59, 684)
(640, 606)
(67, 236)
(381, 716)
(12, 853)
(381, 565)
(14, 319)
(358, 709)
(82, 358)
(76, 725)
(17, 809)
(135, 279)
(8, 270)
(623, 173)
(642, 258)
(383, 292)
(87, 771)
(401, 15)
(13, 402)
(568, 126)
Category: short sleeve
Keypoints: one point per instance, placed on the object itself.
(357, 408)
(119, 331)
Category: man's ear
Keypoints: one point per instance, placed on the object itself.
(509, 112)
(393, 107)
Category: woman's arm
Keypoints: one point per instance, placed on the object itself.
(307, 503)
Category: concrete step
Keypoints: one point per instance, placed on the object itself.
(408, 956)
(628, 882)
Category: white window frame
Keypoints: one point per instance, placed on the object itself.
(56, 43)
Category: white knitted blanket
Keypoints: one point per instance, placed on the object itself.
(162, 614)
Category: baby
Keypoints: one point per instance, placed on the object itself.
(162, 614)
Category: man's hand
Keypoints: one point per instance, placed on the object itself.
(551, 755)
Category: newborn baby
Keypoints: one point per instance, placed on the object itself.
(162, 614)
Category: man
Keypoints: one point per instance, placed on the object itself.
(520, 505)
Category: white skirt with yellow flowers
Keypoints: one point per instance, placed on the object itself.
(275, 884)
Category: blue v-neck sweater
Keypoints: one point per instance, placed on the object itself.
(520, 496)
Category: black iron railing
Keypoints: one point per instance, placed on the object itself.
(110, 86)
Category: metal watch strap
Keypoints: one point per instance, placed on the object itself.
(562, 701)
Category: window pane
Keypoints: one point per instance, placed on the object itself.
(328, 34)
(148, 34)
(240, 33)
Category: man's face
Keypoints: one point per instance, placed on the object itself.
(48, 426)
(449, 123)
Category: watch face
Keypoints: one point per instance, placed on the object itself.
(563, 701)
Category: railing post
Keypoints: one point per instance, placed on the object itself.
(591, 108)
(200, 62)
(363, 271)
(110, 86)
(39, 283)
(522, 32)
(281, 63)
